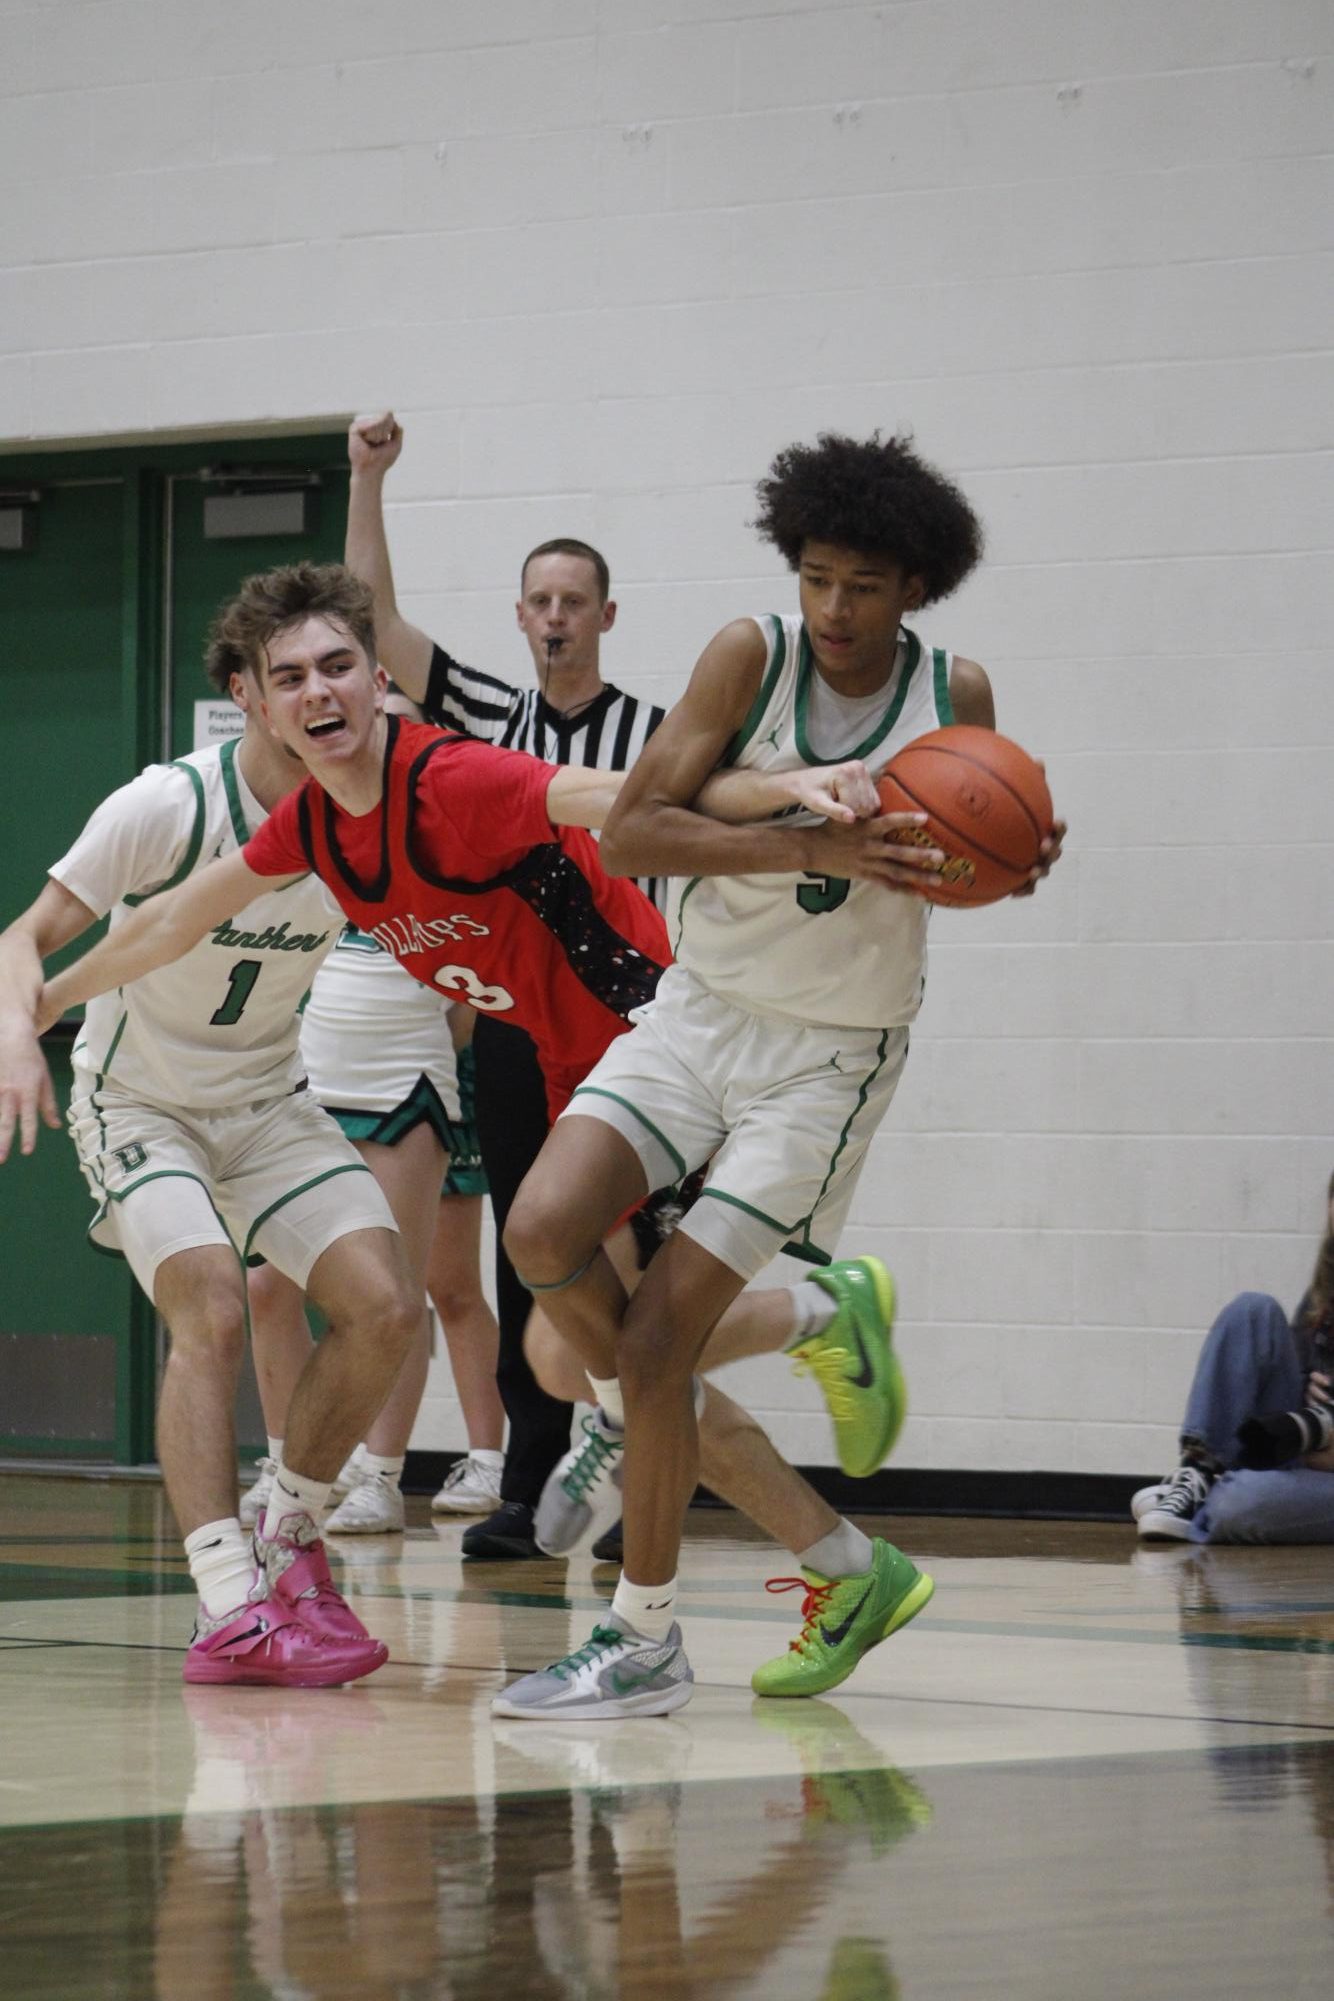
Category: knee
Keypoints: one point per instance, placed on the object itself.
(454, 1303)
(1235, 1510)
(212, 1329)
(543, 1239)
(392, 1315)
(402, 1319)
(1257, 1315)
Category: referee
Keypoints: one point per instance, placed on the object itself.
(572, 716)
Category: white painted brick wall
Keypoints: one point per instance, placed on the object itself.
(606, 256)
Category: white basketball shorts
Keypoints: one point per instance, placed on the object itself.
(276, 1180)
(782, 1110)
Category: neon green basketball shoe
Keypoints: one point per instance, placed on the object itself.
(860, 1971)
(842, 1619)
(857, 1370)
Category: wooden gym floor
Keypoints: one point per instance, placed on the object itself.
(1087, 1770)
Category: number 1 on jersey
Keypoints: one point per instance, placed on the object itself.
(240, 986)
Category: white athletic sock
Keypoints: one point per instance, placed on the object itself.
(485, 1455)
(381, 1468)
(812, 1310)
(844, 1552)
(221, 1564)
(648, 1608)
(607, 1393)
(275, 1448)
(293, 1494)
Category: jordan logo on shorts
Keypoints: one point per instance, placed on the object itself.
(131, 1157)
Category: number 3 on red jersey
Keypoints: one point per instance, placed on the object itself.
(463, 980)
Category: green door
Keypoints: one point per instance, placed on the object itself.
(70, 665)
(105, 614)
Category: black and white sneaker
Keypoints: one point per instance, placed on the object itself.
(1171, 1518)
(1145, 1498)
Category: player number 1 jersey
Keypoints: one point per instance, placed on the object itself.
(218, 1028)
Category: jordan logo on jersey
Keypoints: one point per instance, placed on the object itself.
(131, 1156)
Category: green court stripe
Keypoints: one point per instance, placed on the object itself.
(758, 1614)
(352, 1167)
(596, 1091)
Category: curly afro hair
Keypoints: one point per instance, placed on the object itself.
(876, 497)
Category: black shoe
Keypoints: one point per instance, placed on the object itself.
(505, 1536)
(610, 1547)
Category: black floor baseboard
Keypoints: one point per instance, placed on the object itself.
(905, 1490)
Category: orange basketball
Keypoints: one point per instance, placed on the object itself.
(987, 804)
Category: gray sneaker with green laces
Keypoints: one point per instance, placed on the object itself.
(582, 1496)
(615, 1673)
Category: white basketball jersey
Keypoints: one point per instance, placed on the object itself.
(817, 948)
(218, 1028)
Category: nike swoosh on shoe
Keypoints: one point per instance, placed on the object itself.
(832, 1638)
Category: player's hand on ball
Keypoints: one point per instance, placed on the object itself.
(373, 443)
(876, 850)
(1048, 856)
(844, 792)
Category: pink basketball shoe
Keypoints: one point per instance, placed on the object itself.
(266, 1646)
(296, 1569)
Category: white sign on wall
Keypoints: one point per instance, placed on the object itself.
(215, 721)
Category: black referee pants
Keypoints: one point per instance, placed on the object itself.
(512, 1123)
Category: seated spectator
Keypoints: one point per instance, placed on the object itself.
(1246, 1475)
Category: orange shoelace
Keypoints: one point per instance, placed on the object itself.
(812, 1605)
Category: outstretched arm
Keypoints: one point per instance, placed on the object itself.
(373, 445)
(582, 798)
(160, 930)
(26, 1091)
(656, 827)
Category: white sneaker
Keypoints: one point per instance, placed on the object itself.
(471, 1487)
(351, 1475)
(583, 1496)
(373, 1508)
(256, 1498)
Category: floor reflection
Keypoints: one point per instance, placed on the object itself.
(606, 1877)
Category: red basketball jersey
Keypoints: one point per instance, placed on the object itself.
(459, 873)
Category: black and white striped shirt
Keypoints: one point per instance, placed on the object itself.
(607, 734)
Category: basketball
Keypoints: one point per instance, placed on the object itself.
(987, 807)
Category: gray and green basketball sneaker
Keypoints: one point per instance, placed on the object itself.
(617, 1672)
(582, 1496)
(852, 1361)
(842, 1619)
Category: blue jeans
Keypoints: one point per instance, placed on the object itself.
(1254, 1363)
